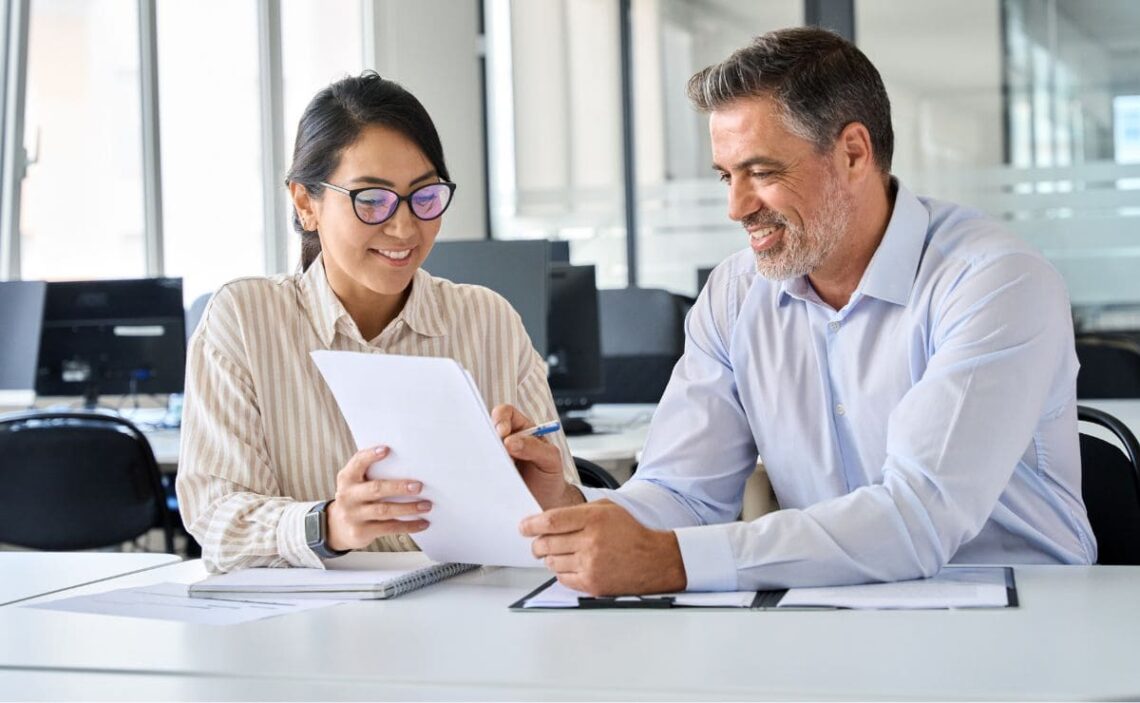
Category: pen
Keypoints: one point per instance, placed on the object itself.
(538, 430)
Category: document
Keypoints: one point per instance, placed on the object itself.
(170, 601)
(429, 412)
(355, 576)
(953, 587)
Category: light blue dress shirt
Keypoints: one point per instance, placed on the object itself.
(931, 420)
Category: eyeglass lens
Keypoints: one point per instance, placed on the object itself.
(376, 205)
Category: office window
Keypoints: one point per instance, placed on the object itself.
(82, 200)
(321, 42)
(209, 95)
(682, 206)
(1022, 127)
(553, 66)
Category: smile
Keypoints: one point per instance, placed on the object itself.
(397, 257)
(764, 238)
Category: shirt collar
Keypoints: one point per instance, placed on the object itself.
(420, 313)
(891, 273)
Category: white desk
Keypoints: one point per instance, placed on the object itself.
(29, 574)
(1074, 636)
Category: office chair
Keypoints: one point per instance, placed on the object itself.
(1110, 366)
(77, 480)
(594, 476)
(1110, 482)
(643, 335)
(194, 313)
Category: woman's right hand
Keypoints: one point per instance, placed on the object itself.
(363, 509)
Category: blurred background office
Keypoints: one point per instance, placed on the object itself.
(148, 138)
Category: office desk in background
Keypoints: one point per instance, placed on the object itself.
(1073, 636)
(30, 574)
(621, 431)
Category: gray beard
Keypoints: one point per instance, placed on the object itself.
(801, 250)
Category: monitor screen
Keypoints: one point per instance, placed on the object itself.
(112, 337)
(574, 349)
(516, 270)
(21, 313)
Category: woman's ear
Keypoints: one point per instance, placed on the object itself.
(305, 206)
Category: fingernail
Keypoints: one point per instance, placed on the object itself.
(381, 449)
(514, 444)
(414, 486)
(423, 506)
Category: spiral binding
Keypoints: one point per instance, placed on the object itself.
(424, 577)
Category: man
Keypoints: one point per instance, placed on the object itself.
(904, 367)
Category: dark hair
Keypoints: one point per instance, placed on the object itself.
(334, 120)
(820, 81)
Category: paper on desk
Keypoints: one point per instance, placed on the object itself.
(429, 412)
(953, 587)
(169, 601)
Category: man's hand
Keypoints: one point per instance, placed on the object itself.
(539, 462)
(600, 549)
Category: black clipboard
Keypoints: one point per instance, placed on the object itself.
(764, 600)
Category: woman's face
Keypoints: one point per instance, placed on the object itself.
(361, 258)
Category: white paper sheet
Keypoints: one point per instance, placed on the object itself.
(953, 587)
(427, 410)
(169, 601)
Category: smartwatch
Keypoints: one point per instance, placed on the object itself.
(317, 532)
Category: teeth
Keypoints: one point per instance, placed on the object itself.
(761, 233)
(397, 255)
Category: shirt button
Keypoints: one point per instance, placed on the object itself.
(839, 409)
(833, 326)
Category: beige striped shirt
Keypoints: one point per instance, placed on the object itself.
(262, 437)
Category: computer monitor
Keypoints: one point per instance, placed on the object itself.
(702, 278)
(21, 314)
(112, 337)
(575, 351)
(559, 251)
(515, 269)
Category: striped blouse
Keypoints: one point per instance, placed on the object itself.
(262, 437)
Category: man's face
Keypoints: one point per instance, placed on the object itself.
(787, 195)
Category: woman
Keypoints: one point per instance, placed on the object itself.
(268, 475)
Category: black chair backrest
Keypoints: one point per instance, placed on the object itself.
(1110, 367)
(594, 476)
(1110, 483)
(77, 480)
(643, 336)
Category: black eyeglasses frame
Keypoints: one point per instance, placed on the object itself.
(352, 195)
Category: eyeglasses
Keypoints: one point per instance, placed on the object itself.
(374, 205)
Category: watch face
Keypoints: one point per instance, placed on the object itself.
(313, 527)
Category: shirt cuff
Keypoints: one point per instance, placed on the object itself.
(291, 542)
(592, 494)
(707, 554)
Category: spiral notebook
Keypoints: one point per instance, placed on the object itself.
(355, 576)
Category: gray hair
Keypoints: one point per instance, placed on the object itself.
(820, 82)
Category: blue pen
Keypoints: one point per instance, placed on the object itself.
(539, 430)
